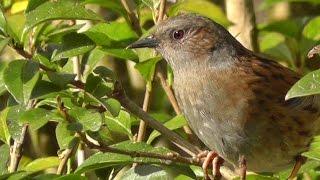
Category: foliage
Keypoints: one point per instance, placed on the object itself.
(61, 81)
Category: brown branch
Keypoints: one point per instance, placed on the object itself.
(65, 156)
(134, 109)
(135, 24)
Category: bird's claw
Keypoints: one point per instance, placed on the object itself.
(211, 157)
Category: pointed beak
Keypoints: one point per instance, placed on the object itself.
(149, 42)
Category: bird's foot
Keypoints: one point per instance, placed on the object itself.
(242, 168)
(299, 162)
(211, 157)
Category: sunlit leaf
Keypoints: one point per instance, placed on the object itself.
(308, 85)
(62, 9)
(121, 53)
(147, 68)
(112, 34)
(20, 77)
(203, 7)
(142, 172)
(274, 44)
(42, 164)
(4, 158)
(74, 44)
(120, 124)
(103, 160)
(37, 117)
(4, 131)
(109, 4)
(90, 120)
(174, 123)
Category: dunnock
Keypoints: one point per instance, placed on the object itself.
(233, 99)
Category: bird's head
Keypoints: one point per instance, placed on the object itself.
(185, 38)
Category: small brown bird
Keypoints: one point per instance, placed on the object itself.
(233, 99)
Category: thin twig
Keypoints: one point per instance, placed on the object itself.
(65, 156)
(162, 10)
(16, 150)
(133, 108)
(129, 7)
(143, 125)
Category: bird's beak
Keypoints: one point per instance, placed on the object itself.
(149, 42)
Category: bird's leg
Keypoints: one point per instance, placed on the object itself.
(213, 158)
(216, 164)
(242, 168)
(299, 162)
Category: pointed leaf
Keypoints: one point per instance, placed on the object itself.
(4, 131)
(74, 44)
(203, 7)
(308, 85)
(90, 120)
(4, 158)
(38, 117)
(42, 164)
(62, 9)
(20, 77)
(175, 123)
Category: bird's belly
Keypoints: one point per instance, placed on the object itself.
(219, 127)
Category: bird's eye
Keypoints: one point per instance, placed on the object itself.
(178, 34)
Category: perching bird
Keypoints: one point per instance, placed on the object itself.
(233, 99)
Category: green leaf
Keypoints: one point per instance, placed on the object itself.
(257, 177)
(268, 3)
(4, 131)
(71, 177)
(3, 21)
(147, 68)
(314, 151)
(32, 4)
(288, 27)
(126, 54)
(46, 176)
(64, 135)
(113, 106)
(109, 4)
(103, 160)
(97, 87)
(15, 27)
(105, 73)
(44, 89)
(3, 43)
(148, 172)
(308, 85)
(20, 77)
(203, 7)
(311, 36)
(4, 158)
(274, 44)
(94, 57)
(90, 120)
(37, 117)
(74, 44)
(120, 124)
(42, 164)
(62, 9)
(175, 123)
(14, 113)
(112, 34)
(61, 79)
(2, 85)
